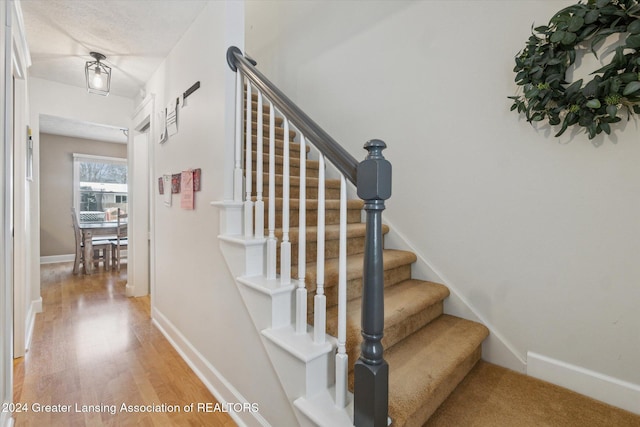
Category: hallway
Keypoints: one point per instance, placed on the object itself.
(93, 346)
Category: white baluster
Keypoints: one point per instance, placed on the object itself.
(271, 240)
(285, 246)
(319, 301)
(259, 217)
(248, 204)
(301, 292)
(342, 359)
(237, 171)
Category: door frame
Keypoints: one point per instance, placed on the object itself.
(23, 308)
(141, 251)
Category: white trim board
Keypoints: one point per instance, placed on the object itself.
(222, 389)
(52, 259)
(601, 387)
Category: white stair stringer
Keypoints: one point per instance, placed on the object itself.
(306, 370)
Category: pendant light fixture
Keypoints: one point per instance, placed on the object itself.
(98, 75)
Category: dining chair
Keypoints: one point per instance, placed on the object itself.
(121, 242)
(101, 247)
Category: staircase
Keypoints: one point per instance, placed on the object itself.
(428, 352)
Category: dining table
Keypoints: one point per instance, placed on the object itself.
(93, 229)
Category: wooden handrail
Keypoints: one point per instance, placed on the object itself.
(328, 146)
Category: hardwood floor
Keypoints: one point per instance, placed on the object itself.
(95, 347)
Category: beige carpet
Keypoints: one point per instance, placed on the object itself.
(491, 396)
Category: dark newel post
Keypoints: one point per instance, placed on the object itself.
(371, 388)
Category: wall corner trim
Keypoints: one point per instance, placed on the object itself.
(604, 388)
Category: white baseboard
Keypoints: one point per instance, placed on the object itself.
(34, 308)
(604, 388)
(52, 259)
(222, 389)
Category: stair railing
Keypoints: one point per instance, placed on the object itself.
(372, 179)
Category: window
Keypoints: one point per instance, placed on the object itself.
(100, 186)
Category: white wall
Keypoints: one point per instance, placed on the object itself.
(540, 235)
(194, 298)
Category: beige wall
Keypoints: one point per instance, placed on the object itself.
(56, 189)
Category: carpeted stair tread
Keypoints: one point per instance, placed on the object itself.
(426, 366)
(408, 306)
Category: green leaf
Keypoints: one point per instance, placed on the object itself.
(615, 85)
(634, 10)
(573, 88)
(602, 3)
(633, 41)
(587, 31)
(554, 61)
(634, 27)
(612, 110)
(575, 24)
(557, 36)
(628, 77)
(631, 88)
(591, 88)
(569, 38)
(593, 103)
(636, 109)
(593, 130)
(532, 93)
(605, 127)
(591, 16)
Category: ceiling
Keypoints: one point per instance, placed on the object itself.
(134, 35)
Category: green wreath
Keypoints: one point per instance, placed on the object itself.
(541, 68)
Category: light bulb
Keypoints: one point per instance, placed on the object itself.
(97, 80)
